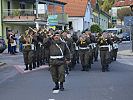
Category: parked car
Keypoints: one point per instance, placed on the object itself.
(3, 45)
(125, 36)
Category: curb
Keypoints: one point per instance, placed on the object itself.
(124, 55)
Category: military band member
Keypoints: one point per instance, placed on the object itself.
(91, 50)
(97, 47)
(104, 43)
(74, 39)
(59, 55)
(69, 43)
(116, 41)
(83, 44)
(27, 41)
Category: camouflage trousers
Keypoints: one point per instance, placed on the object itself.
(28, 57)
(105, 58)
(57, 72)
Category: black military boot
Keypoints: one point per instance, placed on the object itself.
(103, 69)
(115, 59)
(87, 68)
(30, 66)
(56, 86)
(67, 72)
(26, 67)
(38, 64)
(78, 61)
(83, 69)
(34, 65)
(107, 68)
(96, 60)
(61, 86)
(41, 63)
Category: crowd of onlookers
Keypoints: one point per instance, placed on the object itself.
(13, 43)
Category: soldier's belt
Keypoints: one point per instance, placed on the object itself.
(26, 44)
(56, 57)
(107, 46)
(83, 48)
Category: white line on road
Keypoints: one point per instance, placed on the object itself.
(56, 91)
(51, 99)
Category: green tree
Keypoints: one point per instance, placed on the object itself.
(95, 28)
(123, 12)
(106, 5)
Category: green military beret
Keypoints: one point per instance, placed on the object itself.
(71, 28)
(82, 32)
(56, 33)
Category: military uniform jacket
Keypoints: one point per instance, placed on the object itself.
(54, 51)
(116, 39)
(69, 44)
(83, 44)
(102, 42)
(25, 47)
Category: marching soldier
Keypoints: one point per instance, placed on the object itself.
(27, 40)
(97, 47)
(69, 43)
(111, 52)
(92, 46)
(59, 55)
(104, 43)
(116, 41)
(74, 38)
(83, 44)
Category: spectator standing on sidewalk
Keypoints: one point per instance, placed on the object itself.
(16, 40)
(9, 44)
(20, 44)
(13, 43)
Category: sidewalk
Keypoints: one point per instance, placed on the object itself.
(126, 53)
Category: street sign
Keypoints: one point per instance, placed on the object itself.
(52, 20)
(128, 20)
(114, 15)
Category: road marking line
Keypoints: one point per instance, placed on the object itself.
(51, 99)
(56, 91)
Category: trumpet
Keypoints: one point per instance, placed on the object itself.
(31, 29)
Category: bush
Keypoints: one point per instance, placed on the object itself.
(95, 28)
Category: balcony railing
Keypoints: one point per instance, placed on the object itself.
(21, 14)
(31, 14)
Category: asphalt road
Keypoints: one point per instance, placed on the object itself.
(93, 85)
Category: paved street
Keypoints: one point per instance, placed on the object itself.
(93, 85)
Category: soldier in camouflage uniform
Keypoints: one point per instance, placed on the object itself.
(91, 51)
(27, 40)
(104, 43)
(69, 43)
(116, 41)
(83, 44)
(97, 47)
(59, 55)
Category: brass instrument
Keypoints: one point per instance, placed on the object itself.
(82, 40)
(28, 39)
